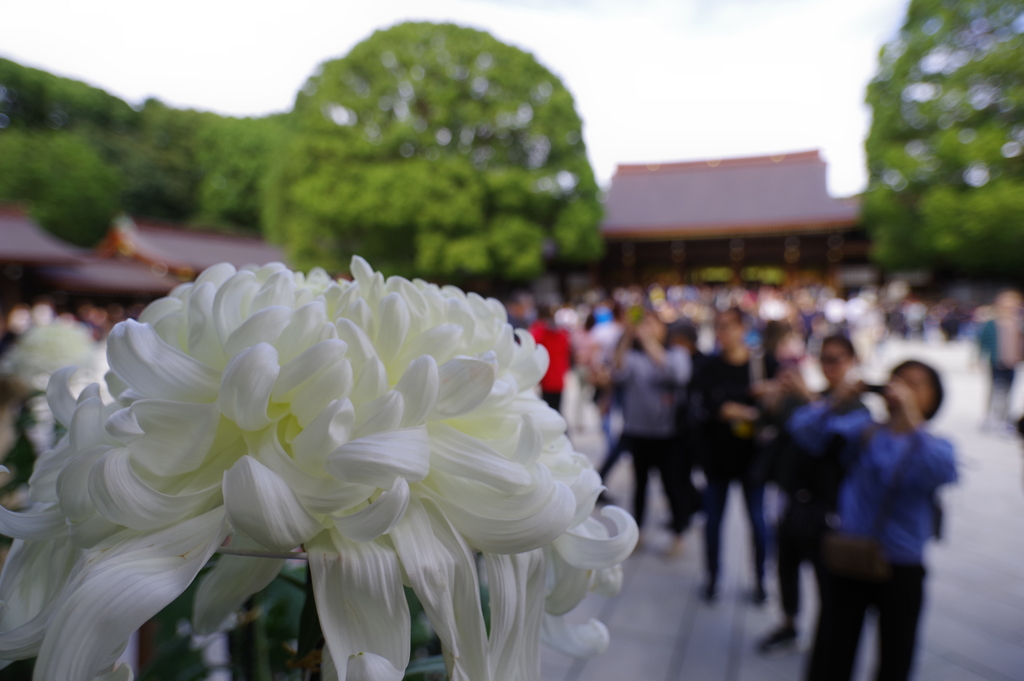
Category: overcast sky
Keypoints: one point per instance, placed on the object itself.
(654, 80)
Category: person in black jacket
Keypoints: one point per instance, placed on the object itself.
(727, 389)
(811, 485)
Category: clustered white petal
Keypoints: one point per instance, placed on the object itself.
(390, 427)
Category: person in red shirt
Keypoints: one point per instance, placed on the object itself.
(559, 347)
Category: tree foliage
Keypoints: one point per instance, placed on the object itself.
(435, 150)
(79, 155)
(946, 170)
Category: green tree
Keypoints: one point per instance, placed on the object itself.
(168, 163)
(946, 170)
(73, 192)
(435, 150)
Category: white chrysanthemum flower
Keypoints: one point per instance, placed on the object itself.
(389, 427)
(42, 350)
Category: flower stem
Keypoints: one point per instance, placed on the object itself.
(311, 637)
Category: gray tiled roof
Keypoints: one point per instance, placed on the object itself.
(23, 241)
(781, 193)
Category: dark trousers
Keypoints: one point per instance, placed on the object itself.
(613, 456)
(792, 552)
(898, 602)
(657, 453)
(999, 397)
(554, 400)
(715, 495)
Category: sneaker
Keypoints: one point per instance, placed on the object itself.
(759, 597)
(782, 638)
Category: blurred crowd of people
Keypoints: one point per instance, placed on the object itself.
(708, 384)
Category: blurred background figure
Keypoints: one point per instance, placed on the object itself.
(888, 500)
(651, 373)
(730, 413)
(810, 484)
(557, 342)
(1001, 343)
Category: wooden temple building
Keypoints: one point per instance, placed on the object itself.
(138, 260)
(761, 219)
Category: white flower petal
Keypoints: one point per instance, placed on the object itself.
(262, 506)
(360, 313)
(231, 305)
(318, 494)
(442, 571)
(279, 289)
(73, 484)
(203, 342)
(392, 326)
(465, 382)
(155, 369)
(178, 435)
(263, 326)
(173, 329)
(440, 342)
(607, 582)
(123, 426)
(123, 498)
(380, 458)
(456, 453)
(589, 546)
(87, 533)
(567, 585)
(159, 309)
(331, 428)
(510, 534)
(215, 275)
(33, 576)
(360, 346)
(314, 379)
(117, 586)
(86, 427)
(418, 386)
(38, 523)
(516, 586)
(228, 585)
(360, 270)
(384, 413)
(379, 517)
(372, 382)
(115, 386)
(531, 442)
(246, 386)
(577, 640)
(300, 333)
(361, 604)
(58, 395)
(370, 667)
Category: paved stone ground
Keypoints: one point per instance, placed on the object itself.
(973, 624)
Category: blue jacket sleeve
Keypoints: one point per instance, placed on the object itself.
(935, 463)
(814, 426)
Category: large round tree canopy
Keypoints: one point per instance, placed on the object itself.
(946, 187)
(435, 150)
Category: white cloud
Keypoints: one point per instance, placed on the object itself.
(654, 80)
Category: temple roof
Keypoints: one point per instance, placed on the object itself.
(23, 241)
(184, 251)
(722, 198)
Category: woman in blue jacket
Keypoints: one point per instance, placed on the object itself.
(894, 469)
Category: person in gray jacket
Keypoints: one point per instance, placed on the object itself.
(650, 374)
